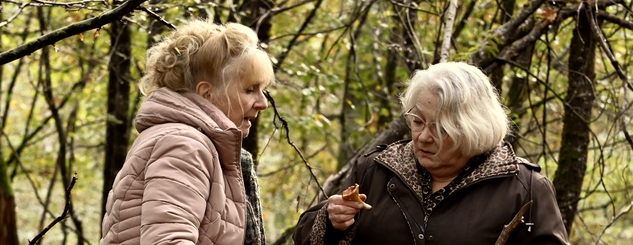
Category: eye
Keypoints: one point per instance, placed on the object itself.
(251, 89)
(418, 120)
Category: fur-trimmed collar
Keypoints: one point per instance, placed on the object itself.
(400, 158)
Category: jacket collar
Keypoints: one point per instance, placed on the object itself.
(400, 158)
(167, 106)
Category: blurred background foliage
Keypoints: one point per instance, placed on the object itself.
(340, 67)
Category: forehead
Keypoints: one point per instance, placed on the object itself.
(257, 68)
(424, 105)
(425, 100)
(254, 79)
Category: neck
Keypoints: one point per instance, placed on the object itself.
(439, 183)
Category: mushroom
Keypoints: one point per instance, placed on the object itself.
(351, 194)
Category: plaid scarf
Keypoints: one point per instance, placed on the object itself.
(254, 222)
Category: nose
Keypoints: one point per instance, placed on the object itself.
(261, 103)
(425, 135)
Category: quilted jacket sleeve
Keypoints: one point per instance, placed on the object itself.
(176, 189)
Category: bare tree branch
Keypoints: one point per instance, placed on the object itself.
(157, 17)
(501, 36)
(507, 229)
(68, 31)
(604, 15)
(17, 13)
(62, 216)
(280, 59)
(623, 212)
(284, 124)
(606, 48)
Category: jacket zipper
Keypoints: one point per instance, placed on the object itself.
(461, 188)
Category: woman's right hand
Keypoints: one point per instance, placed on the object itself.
(341, 212)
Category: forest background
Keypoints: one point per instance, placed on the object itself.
(68, 96)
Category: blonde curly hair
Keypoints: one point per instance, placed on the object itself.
(203, 51)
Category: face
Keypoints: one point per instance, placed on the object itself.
(242, 102)
(444, 162)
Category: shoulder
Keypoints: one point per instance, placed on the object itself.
(179, 131)
(530, 176)
(383, 157)
(527, 164)
(383, 147)
(506, 154)
(370, 156)
(504, 158)
(169, 138)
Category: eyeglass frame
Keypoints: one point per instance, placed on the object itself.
(432, 130)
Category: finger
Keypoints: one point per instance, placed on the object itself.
(348, 207)
(343, 226)
(340, 218)
(363, 197)
(338, 200)
(335, 199)
(341, 209)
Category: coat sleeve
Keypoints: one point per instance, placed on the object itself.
(176, 189)
(548, 226)
(314, 226)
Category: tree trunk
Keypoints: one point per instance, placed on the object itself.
(572, 161)
(8, 222)
(118, 122)
(507, 10)
(517, 94)
(8, 225)
(414, 60)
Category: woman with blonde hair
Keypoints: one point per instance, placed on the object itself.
(186, 179)
(455, 182)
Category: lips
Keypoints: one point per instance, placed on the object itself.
(248, 120)
(426, 153)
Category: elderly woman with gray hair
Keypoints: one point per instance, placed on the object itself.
(455, 182)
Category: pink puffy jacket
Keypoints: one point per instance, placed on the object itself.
(182, 180)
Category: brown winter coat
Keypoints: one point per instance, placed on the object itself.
(181, 182)
(474, 212)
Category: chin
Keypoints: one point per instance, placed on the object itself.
(426, 163)
(245, 132)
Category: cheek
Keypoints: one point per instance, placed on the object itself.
(247, 102)
(449, 153)
(415, 135)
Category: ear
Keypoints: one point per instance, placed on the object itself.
(204, 89)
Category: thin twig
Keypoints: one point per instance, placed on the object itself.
(62, 216)
(280, 59)
(606, 48)
(17, 13)
(157, 17)
(284, 125)
(507, 229)
(623, 212)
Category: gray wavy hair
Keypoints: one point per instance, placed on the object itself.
(468, 107)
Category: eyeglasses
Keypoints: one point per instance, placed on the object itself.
(417, 124)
